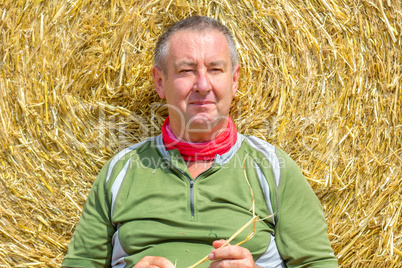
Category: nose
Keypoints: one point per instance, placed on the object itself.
(202, 83)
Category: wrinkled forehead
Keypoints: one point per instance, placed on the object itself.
(190, 36)
(206, 45)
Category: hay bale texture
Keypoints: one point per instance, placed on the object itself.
(320, 79)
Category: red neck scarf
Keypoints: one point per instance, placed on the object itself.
(201, 151)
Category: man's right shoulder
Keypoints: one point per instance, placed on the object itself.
(126, 153)
(121, 159)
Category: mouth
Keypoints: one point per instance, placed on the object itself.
(202, 103)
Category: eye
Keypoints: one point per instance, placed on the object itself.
(184, 71)
(216, 70)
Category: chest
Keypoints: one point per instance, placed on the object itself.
(196, 168)
(158, 208)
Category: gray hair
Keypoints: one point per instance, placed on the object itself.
(194, 23)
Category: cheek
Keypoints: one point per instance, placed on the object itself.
(177, 92)
(181, 88)
(224, 91)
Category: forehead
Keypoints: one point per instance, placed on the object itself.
(196, 44)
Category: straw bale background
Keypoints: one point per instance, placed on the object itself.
(321, 79)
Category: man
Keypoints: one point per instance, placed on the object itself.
(171, 198)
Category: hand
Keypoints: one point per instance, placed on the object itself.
(230, 256)
(156, 262)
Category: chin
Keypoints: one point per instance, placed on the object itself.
(203, 123)
(200, 127)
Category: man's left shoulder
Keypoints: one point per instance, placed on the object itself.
(261, 146)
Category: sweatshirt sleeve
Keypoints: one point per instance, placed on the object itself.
(301, 230)
(91, 244)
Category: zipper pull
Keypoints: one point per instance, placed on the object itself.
(191, 184)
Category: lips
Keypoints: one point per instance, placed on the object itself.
(202, 103)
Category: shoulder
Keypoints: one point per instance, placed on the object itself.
(135, 148)
(265, 148)
(259, 145)
(265, 153)
(280, 162)
(121, 160)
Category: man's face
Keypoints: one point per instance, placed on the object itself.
(198, 83)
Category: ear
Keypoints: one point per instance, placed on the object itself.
(158, 76)
(236, 74)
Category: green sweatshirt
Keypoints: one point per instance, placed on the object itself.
(145, 203)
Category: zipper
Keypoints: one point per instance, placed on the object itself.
(192, 182)
(192, 197)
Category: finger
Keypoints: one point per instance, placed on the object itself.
(216, 264)
(153, 261)
(229, 252)
(231, 264)
(161, 262)
(218, 243)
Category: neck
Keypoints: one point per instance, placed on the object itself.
(218, 143)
